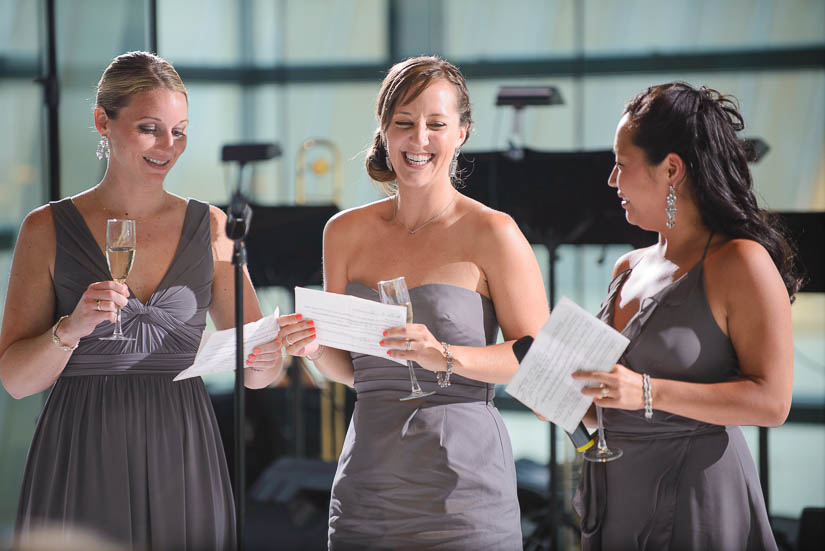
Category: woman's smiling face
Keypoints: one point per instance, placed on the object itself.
(424, 134)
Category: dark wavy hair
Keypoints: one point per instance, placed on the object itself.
(404, 82)
(700, 126)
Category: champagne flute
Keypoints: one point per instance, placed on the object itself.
(120, 255)
(601, 453)
(394, 291)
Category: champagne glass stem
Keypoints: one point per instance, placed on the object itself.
(602, 444)
(118, 330)
(416, 388)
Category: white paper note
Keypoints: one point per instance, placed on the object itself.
(349, 323)
(216, 352)
(572, 339)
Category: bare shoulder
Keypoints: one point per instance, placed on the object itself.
(738, 262)
(38, 226)
(353, 221)
(489, 224)
(628, 260)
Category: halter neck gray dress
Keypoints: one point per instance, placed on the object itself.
(434, 473)
(681, 483)
(119, 447)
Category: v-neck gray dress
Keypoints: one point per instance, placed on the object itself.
(681, 483)
(119, 447)
(433, 473)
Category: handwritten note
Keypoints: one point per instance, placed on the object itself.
(216, 352)
(572, 339)
(349, 323)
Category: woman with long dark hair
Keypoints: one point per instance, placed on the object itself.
(707, 312)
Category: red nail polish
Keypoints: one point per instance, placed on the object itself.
(380, 343)
(389, 352)
(313, 331)
(299, 317)
(384, 333)
(251, 357)
(257, 350)
(310, 323)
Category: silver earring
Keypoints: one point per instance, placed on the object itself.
(103, 148)
(670, 210)
(387, 152)
(454, 164)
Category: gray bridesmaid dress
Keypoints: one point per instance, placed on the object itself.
(119, 448)
(681, 483)
(433, 473)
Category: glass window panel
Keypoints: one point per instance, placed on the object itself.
(641, 26)
(19, 29)
(348, 31)
(490, 29)
(784, 108)
(208, 32)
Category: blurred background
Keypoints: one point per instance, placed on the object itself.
(304, 74)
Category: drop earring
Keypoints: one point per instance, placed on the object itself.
(454, 164)
(102, 148)
(670, 210)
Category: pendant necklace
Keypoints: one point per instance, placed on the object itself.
(425, 224)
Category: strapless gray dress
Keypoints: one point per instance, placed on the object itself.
(681, 483)
(119, 448)
(433, 473)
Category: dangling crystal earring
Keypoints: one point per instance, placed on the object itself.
(103, 148)
(454, 164)
(389, 163)
(670, 210)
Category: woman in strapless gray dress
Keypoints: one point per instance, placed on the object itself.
(435, 472)
(120, 449)
(707, 312)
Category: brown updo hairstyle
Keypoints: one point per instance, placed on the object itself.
(132, 73)
(404, 82)
(700, 126)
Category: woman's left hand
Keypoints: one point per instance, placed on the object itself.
(266, 356)
(414, 342)
(618, 388)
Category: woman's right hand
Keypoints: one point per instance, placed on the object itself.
(297, 335)
(98, 303)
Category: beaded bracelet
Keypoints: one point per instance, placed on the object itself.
(56, 339)
(443, 377)
(648, 396)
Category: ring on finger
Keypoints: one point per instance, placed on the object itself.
(409, 343)
(288, 342)
(605, 390)
(97, 305)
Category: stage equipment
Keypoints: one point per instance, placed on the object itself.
(238, 220)
(319, 158)
(519, 98)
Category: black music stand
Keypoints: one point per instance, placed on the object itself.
(238, 220)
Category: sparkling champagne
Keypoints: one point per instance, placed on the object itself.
(120, 261)
(409, 312)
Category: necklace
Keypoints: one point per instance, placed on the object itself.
(425, 224)
(126, 214)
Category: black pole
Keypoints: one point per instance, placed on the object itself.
(152, 25)
(763, 467)
(238, 219)
(553, 513)
(51, 98)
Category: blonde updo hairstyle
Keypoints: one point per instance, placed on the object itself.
(404, 82)
(130, 74)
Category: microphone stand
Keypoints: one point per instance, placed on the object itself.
(238, 220)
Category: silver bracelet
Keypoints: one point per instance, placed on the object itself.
(648, 396)
(443, 377)
(323, 349)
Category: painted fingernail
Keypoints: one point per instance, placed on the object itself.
(251, 357)
(310, 323)
(389, 352)
(256, 350)
(381, 343)
(384, 333)
(299, 317)
(248, 362)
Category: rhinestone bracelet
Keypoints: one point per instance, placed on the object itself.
(443, 377)
(648, 396)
